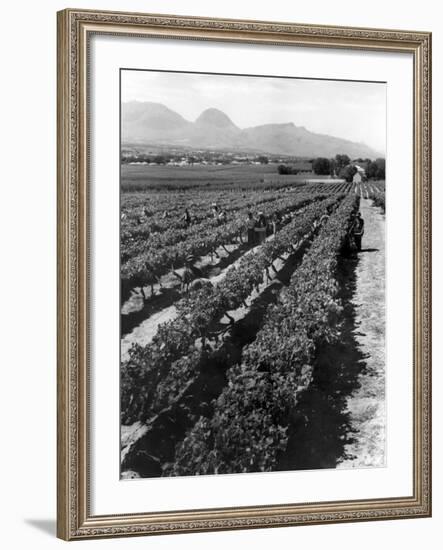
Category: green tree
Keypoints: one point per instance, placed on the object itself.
(348, 172)
(376, 169)
(160, 159)
(283, 170)
(341, 161)
(381, 168)
(321, 166)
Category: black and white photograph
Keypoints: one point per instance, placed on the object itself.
(252, 274)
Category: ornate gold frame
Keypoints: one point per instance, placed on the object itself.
(74, 518)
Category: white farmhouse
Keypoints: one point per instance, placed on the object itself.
(360, 175)
(357, 177)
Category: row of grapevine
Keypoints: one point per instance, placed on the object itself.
(378, 198)
(175, 341)
(248, 427)
(151, 236)
(145, 268)
(157, 201)
(135, 206)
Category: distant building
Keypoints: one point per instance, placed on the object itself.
(360, 175)
(357, 178)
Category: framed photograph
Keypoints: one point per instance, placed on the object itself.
(244, 288)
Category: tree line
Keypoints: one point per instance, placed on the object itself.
(341, 166)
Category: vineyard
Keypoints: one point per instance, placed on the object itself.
(220, 335)
(374, 191)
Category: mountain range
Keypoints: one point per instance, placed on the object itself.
(154, 123)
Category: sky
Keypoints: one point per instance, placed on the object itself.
(345, 109)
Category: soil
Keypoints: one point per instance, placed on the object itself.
(366, 406)
(208, 264)
(140, 322)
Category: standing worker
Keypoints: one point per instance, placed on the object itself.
(223, 216)
(276, 222)
(214, 210)
(187, 218)
(260, 228)
(357, 230)
(250, 225)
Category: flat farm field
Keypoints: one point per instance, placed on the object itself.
(142, 177)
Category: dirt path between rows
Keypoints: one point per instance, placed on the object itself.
(146, 330)
(366, 406)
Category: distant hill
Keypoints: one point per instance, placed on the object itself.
(146, 122)
(152, 122)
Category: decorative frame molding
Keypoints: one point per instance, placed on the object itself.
(74, 29)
